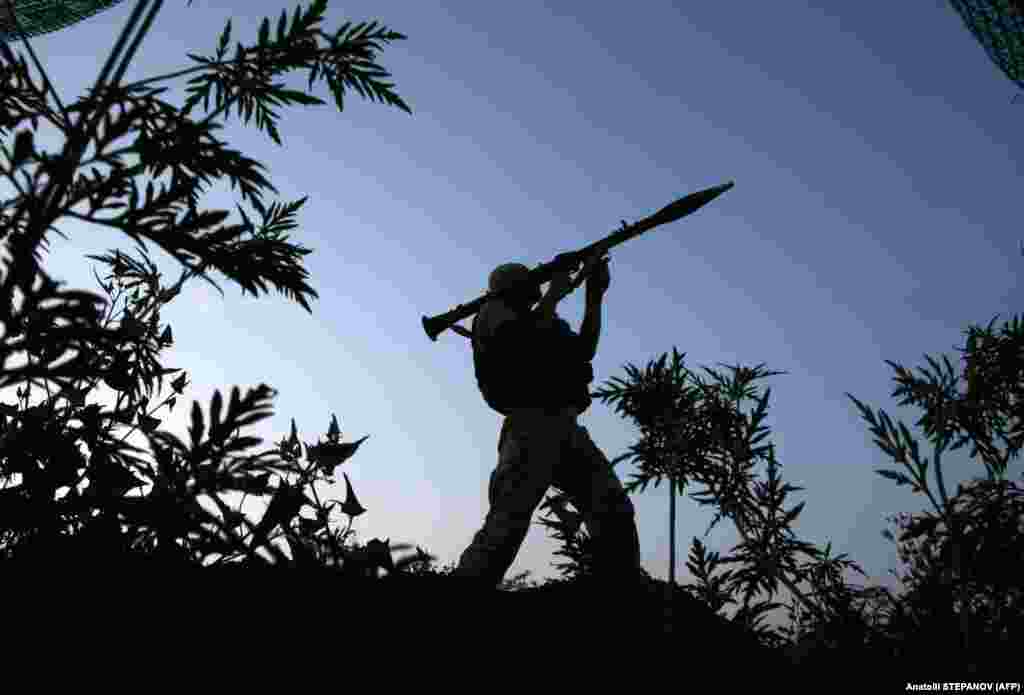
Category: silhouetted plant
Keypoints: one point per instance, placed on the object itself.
(45, 514)
(694, 432)
(698, 434)
(574, 539)
(957, 555)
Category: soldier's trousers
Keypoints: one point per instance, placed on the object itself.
(537, 450)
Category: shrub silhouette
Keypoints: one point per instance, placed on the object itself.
(692, 431)
(42, 454)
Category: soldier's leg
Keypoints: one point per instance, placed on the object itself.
(588, 479)
(525, 471)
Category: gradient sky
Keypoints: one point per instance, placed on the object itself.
(876, 163)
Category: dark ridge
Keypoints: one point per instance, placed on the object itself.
(581, 625)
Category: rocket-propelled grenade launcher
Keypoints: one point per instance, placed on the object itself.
(572, 261)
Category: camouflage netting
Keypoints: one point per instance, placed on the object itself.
(43, 16)
(999, 27)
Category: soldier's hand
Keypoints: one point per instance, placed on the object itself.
(566, 261)
(560, 283)
(599, 279)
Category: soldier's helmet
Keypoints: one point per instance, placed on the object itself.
(515, 277)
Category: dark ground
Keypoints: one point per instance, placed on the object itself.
(580, 630)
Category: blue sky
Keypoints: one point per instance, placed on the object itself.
(876, 161)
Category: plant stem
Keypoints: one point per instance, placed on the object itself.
(954, 526)
(56, 187)
(93, 220)
(672, 531)
(741, 527)
(35, 59)
(671, 586)
(146, 24)
(194, 68)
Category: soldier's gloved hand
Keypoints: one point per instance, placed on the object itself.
(566, 261)
(599, 279)
(560, 283)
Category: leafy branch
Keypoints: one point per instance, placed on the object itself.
(58, 502)
(693, 431)
(167, 141)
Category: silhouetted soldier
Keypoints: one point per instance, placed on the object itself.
(532, 368)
